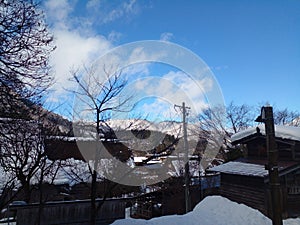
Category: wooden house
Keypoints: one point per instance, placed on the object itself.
(246, 180)
(60, 148)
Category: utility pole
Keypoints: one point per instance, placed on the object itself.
(267, 118)
(186, 159)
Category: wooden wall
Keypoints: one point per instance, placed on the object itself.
(247, 190)
(75, 213)
(253, 192)
(287, 149)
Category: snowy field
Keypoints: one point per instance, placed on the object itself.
(213, 210)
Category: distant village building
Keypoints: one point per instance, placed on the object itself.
(246, 180)
(61, 148)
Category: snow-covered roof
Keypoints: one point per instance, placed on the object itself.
(253, 167)
(241, 168)
(83, 139)
(284, 132)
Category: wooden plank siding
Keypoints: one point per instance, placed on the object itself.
(72, 212)
(297, 151)
(250, 196)
(254, 192)
(293, 205)
(245, 189)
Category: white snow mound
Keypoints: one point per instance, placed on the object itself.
(213, 210)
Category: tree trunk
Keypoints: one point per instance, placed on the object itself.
(41, 205)
(93, 198)
(26, 191)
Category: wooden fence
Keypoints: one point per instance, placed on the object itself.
(69, 212)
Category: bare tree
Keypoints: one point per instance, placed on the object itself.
(25, 47)
(286, 117)
(212, 125)
(100, 96)
(239, 117)
(21, 151)
(22, 154)
(220, 122)
(7, 187)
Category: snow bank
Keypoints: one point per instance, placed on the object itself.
(213, 210)
(292, 222)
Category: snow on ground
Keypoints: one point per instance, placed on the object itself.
(213, 210)
(291, 222)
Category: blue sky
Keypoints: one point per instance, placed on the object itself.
(252, 47)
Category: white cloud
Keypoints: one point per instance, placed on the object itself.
(167, 36)
(136, 70)
(114, 36)
(174, 88)
(58, 11)
(73, 50)
(194, 90)
(160, 110)
(140, 85)
(106, 13)
(76, 43)
(75, 36)
(126, 9)
(92, 4)
(139, 54)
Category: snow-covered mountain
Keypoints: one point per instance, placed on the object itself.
(167, 127)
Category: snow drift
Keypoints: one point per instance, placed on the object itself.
(213, 210)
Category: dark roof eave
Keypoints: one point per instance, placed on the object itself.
(259, 135)
(247, 139)
(284, 171)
